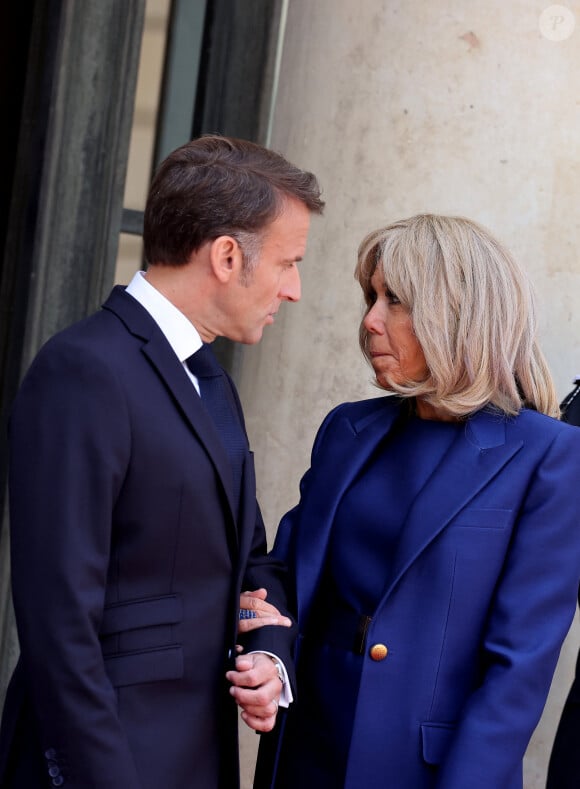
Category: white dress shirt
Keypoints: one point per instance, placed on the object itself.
(179, 331)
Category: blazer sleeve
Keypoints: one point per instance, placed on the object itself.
(69, 449)
(532, 610)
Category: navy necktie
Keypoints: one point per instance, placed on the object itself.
(212, 384)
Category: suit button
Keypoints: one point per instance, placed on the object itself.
(58, 781)
(378, 652)
(53, 770)
(50, 753)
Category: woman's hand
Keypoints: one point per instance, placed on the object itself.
(255, 612)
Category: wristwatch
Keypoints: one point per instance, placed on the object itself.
(279, 668)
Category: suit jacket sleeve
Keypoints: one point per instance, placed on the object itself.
(70, 443)
(267, 571)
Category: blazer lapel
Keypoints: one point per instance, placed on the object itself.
(163, 359)
(341, 457)
(478, 453)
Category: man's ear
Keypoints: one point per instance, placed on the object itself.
(225, 258)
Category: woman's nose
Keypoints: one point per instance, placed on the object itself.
(372, 322)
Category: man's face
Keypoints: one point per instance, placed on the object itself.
(254, 300)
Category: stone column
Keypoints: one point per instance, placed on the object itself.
(404, 106)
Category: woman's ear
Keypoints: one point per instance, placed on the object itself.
(225, 258)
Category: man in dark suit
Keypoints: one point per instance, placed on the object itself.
(564, 768)
(134, 521)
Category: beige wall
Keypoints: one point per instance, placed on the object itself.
(403, 106)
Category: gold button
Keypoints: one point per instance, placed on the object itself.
(378, 652)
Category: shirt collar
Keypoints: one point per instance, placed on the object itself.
(179, 332)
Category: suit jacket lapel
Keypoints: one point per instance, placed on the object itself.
(189, 402)
(163, 359)
(477, 454)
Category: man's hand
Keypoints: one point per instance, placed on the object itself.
(256, 689)
(253, 605)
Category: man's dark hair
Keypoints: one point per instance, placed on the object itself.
(215, 186)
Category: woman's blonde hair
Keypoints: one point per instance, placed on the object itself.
(472, 311)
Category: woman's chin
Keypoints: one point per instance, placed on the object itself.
(383, 383)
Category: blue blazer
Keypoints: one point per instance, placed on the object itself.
(481, 596)
(127, 565)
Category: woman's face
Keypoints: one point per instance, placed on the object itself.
(393, 347)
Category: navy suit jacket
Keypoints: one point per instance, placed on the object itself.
(127, 565)
(481, 596)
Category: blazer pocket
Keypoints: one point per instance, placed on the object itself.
(488, 518)
(153, 665)
(436, 739)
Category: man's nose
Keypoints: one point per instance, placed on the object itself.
(291, 287)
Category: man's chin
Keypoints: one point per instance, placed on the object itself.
(254, 339)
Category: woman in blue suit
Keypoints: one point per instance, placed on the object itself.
(435, 549)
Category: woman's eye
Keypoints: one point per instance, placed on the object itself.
(392, 298)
